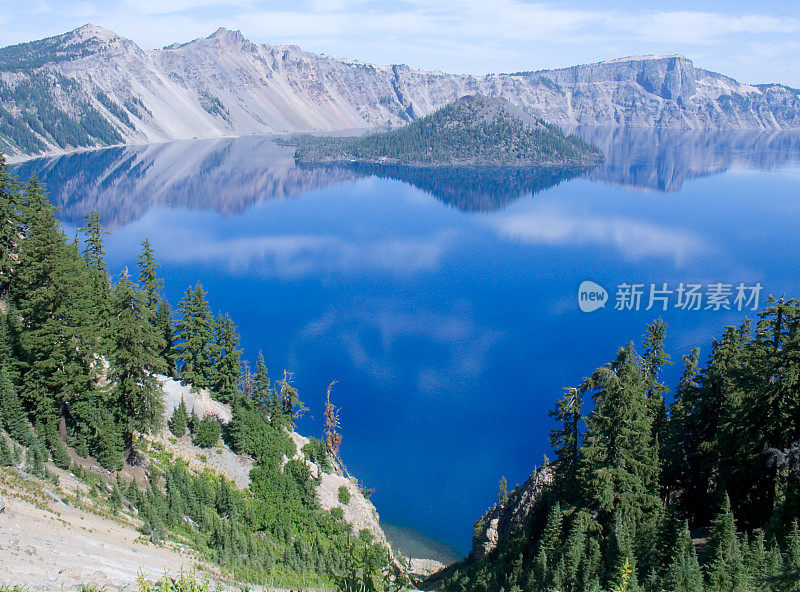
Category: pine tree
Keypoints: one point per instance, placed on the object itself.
(228, 364)
(792, 558)
(546, 555)
(591, 565)
(757, 563)
(195, 339)
(94, 252)
(180, 420)
(10, 224)
(725, 568)
(620, 560)
(94, 255)
(574, 549)
(164, 327)
(134, 356)
(566, 441)
(291, 407)
(6, 459)
(654, 359)
(206, 432)
(262, 390)
(37, 298)
(683, 571)
(675, 449)
(12, 412)
(148, 275)
(619, 467)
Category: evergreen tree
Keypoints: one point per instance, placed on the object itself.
(94, 255)
(654, 359)
(195, 339)
(546, 555)
(262, 390)
(676, 448)
(291, 407)
(180, 420)
(574, 549)
(164, 327)
(725, 570)
(792, 558)
(618, 467)
(566, 441)
(12, 412)
(135, 354)
(148, 276)
(228, 364)
(683, 571)
(94, 252)
(6, 459)
(206, 432)
(37, 295)
(10, 224)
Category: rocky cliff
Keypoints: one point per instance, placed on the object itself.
(91, 87)
(512, 516)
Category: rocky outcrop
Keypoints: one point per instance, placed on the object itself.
(113, 92)
(512, 517)
(359, 512)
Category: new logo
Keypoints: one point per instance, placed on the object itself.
(591, 296)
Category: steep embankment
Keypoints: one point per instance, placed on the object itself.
(91, 87)
(66, 535)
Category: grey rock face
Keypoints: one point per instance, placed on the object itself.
(503, 520)
(224, 85)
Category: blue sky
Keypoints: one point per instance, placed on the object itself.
(753, 42)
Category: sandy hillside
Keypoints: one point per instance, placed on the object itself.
(45, 545)
(60, 537)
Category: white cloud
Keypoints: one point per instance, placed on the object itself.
(461, 36)
(298, 255)
(633, 239)
(373, 333)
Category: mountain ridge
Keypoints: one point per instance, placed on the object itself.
(91, 87)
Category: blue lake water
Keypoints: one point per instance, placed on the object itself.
(445, 305)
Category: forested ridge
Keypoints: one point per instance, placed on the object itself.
(473, 130)
(81, 351)
(700, 495)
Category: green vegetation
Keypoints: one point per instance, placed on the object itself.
(180, 420)
(40, 117)
(635, 481)
(344, 495)
(78, 359)
(35, 54)
(206, 432)
(473, 130)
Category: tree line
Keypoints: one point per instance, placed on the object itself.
(699, 495)
(81, 358)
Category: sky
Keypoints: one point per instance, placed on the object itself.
(751, 41)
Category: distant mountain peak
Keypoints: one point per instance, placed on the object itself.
(227, 35)
(90, 31)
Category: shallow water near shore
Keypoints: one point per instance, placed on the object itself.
(445, 303)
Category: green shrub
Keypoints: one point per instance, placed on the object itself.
(206, 432)
(344, 495)
(180, 583)
(315, 452)
(180, 420)
(5, 453)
